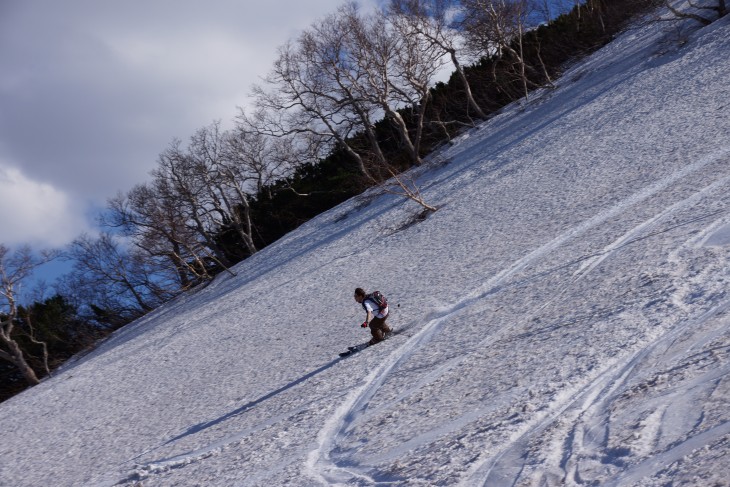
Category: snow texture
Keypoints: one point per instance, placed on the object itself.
(563, 317)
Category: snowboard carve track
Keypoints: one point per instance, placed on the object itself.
(586, 408)
(320, 464)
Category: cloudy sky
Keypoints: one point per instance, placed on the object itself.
(92, 91)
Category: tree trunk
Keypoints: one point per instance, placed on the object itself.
(421, 117)
(721, 8)
(403, 131)
(467, 88)
(17, 358)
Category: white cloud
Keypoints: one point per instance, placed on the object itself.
(35, 212)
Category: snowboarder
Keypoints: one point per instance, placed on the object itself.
(376, 307)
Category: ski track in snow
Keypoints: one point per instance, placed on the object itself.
(584, 409)
(320, 464)
(595, 413)
(584, 399)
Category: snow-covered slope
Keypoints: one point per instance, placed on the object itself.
(563, 317)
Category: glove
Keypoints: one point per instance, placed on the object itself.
(365, 324)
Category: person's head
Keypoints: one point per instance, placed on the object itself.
(360, 295)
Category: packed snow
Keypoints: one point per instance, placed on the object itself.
(562, 319)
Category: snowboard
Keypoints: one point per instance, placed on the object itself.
(363, 346)
(354, 349)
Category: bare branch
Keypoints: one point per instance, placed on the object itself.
(15, 267)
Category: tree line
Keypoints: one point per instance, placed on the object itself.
(356, 99)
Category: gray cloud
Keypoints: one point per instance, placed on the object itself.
(91, 92)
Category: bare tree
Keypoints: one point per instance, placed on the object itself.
(338, 77)
(183, 173)
(371, 66)
(119, 277)
(149, 215)
(496, 28)
(217, 175)
(169, 234)
(408, 63)
(15, 267)
(255, 161)
(329, 86)
(431, 20)
(222, 174)
(309, 97)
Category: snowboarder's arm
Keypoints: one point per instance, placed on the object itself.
(368, 319)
